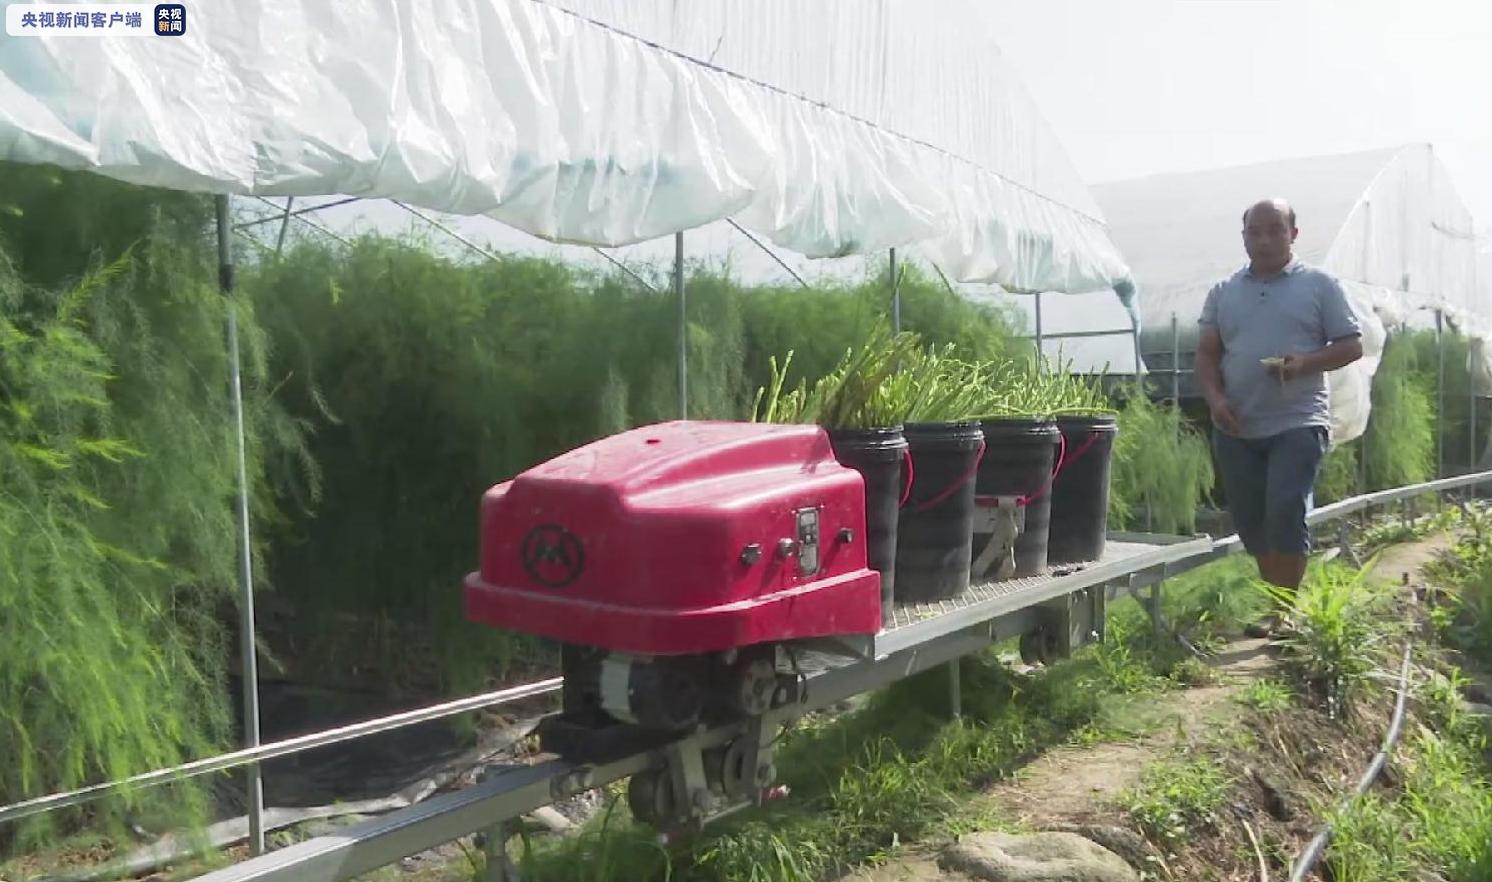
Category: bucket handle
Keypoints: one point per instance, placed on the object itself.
(1082, 449)
(906, 492)
(957, 483)
(1057, 467)
(1063, 461)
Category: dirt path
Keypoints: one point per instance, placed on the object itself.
(1079, 785)
(1069, 785)
(1074, 786)
(1400, 561)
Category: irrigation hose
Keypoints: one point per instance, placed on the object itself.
(1306, 860)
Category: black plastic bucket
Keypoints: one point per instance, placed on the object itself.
(879, 455)
(1080, 494)
(1019, 462)
(935, 534)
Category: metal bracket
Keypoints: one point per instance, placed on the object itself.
(1004, 519)
(1067, 623)
(707, 785)
(686, 775)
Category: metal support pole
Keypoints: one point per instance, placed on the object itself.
(955, 691)
(1175, 360)
(1040, 353)
(678, 290)
(1157, 616)
(284, 225)
(1439, 394)
(895, 296)
(255, 784)
(1471, 421)
(499, 867)
(1134, 324)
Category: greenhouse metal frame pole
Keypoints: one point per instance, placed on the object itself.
(895, 296)
(254, 783)
(1134, 325)
(284, 226)
(1175, 361)
(1040, 353)
(1439, 394)
(678, 290)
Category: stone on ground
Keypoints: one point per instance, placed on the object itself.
(1038, 857)
(1122, 841)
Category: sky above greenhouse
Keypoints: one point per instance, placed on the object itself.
(1150, 86)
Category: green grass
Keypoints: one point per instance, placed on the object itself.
(1266, 696)
(1176, 798)
(1208, 604)
(1464, 618)
(1438, 817)
(1440, 820)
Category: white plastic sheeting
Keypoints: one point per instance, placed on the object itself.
(1387, 223)
(831, 128)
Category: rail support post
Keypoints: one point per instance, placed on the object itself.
(955, 691)
(1157, 617)
(499, 867)
(1344, 542)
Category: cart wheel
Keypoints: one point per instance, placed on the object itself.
(650, 797)
(1037, 646)
(736, 774)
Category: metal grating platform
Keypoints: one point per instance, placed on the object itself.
(910, 614)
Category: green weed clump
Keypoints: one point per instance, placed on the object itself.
(1174, 799)
(1339, 633)
(1267, 696)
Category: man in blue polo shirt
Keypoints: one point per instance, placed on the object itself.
(1269, 334)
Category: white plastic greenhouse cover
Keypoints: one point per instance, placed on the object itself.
(831, 128)
(1388, 223)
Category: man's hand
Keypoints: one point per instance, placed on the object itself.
(1335, 355)
(1291, 366)
(1223, 416)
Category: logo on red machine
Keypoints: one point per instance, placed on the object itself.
(553, 555)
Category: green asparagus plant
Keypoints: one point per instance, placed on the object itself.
(870, 387)
(1021, 389)
(890, 380)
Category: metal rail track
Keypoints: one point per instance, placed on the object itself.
(912, 648)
